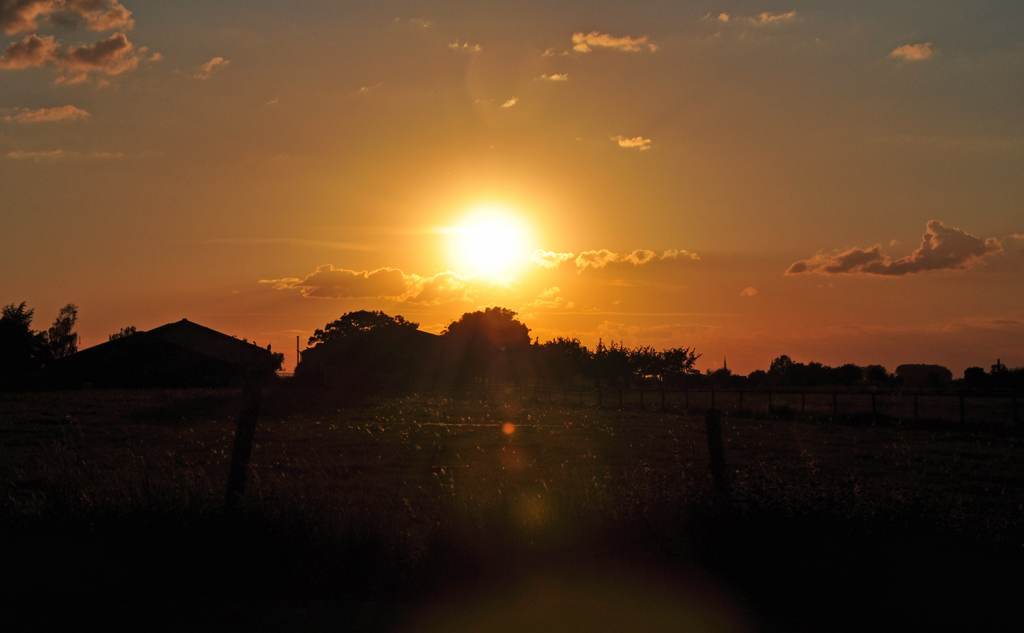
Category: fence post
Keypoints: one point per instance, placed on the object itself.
(620, 397)
(770, 407)
(874, 408)
(686, 401)
(1013, 399)
(916, 416)
(962, 416)
(712, 396)
(716, 449)
(600, 403)
(663, 400)
(835, 404)
(641, 398)
(803, 402)
(245, 432)
(740, 407)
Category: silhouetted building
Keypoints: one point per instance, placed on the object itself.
(181, 354)
(924, 375)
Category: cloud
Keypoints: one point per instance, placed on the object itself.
(48, 115)
(723, 17)
(913, 52)
(328, 282)
(637, 142)
(561, 77)
(586, 43)
(749, 292)
(511, 102)
(941, 249)
(466, 46)
(23, 155)
(22, 16)
(766, 18)
(112, 56)
(549, 299)
(206, 70)
(600, 259)
(549, 259)
(675, 254)
(30, 52)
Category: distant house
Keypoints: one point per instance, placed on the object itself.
(181, 354)
(924, 375)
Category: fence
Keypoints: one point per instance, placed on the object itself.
(962, 407)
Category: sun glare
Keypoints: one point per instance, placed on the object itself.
(489, 241)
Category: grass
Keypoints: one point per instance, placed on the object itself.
(425, 514)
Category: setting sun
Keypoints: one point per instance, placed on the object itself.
(489, 241)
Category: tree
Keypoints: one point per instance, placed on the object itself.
(353, 324)
(61, 337)
(125, 332)
(22, 351)
(491, 344)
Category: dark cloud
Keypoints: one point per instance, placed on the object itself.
(30, 52)
(941, 249)
(22, 16)
(328, 282)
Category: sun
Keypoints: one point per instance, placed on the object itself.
(490, 240)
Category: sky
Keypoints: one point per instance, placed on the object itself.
(836, 181)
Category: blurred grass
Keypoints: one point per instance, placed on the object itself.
(375, 509)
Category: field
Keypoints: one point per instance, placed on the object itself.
(432, 514)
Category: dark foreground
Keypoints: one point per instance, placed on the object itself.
(442, 515)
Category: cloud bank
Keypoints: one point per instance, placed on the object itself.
(941, 249)
(111, 56)
(328, 282)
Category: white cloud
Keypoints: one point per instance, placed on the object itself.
(549, 259)
(511, 102)
(561, 77)
(749, 292)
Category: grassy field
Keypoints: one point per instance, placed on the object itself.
(428, 514)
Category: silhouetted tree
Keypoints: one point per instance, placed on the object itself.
(61, 337)
(353, 324)
(562, 360)
(125, 332)
(491, 344)
(22, 351)
(876, 374)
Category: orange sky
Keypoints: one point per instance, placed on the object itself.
(670, 162)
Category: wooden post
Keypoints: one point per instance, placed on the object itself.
(874, 409)
(770, 408)
(712, 396)
(686, 400)
(803, 402)
(245, 433)
(1013, 400)
(716, 448)
(600, 404)
(963, 417)
(835, 404)
(740, 406)
(663, 400)
(916, 416)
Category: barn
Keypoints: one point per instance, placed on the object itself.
(180, 354)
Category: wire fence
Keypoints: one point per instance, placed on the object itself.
(965, 408)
